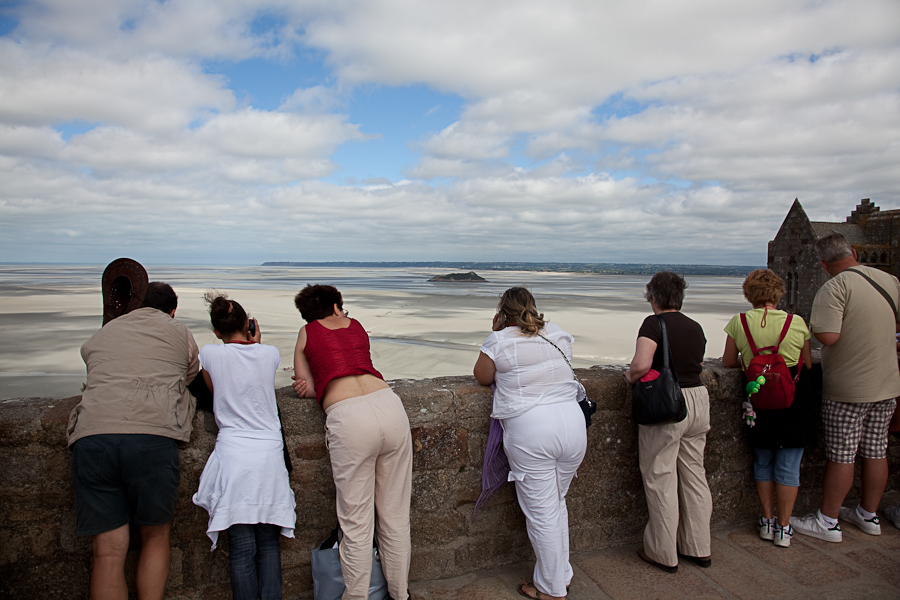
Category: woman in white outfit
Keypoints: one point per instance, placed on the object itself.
(544, 433)
(245, 486)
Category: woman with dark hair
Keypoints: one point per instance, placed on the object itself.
(671, 455)
(245, 486)
(776, 436)
(544, 435)
(368, 438)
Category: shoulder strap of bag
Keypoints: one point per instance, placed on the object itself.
(667, 351)
(784, 331)
(879, 288)
(563, 355)
(749, 337)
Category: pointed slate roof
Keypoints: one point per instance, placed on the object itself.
(854, 233)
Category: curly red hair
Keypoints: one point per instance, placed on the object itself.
(763, 286)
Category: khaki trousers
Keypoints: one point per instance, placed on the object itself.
(370, 445)
(678, 497)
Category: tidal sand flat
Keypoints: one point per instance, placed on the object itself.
(418, 329)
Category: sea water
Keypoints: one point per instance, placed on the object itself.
(417, 328)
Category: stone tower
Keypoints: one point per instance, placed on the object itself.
(873, 233)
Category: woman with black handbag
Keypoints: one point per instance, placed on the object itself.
(671, 453)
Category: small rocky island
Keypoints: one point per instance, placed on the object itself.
(470, 276)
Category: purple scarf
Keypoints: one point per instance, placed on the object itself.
(495, 470)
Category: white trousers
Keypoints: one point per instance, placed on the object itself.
(545, 446)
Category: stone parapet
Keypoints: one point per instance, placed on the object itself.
(40, 557)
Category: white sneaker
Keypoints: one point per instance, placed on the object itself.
(893, 515)
(766, 529)
(813, 526)
(871, 526)
(783, 535)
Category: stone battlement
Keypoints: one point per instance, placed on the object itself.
(41, 557)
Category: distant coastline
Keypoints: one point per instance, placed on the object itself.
(549, 267)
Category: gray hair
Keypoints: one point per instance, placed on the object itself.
(833, 248)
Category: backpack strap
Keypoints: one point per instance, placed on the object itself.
(784, 331)
(749, 337)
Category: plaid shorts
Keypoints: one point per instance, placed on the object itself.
(850, 426)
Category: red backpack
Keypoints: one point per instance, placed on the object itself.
(778, 390)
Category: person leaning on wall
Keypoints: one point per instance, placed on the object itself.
(134, 410)
(671, 455)
(854, 316)
(544, 437)
(368, 438)
(777, 436)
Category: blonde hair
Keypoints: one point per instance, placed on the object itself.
(517, 307)
(762, 286)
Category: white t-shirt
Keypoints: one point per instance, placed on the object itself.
(530, 371)
(243, 377)
(245, 479)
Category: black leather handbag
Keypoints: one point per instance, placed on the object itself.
(659, 400)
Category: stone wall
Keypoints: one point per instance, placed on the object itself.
(40, 557)
(884, 230)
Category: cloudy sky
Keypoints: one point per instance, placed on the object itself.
(241, 131)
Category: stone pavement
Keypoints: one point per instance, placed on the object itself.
(862, 566)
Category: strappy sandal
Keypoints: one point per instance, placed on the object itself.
(538, 595)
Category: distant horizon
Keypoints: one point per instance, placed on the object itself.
(350, 263)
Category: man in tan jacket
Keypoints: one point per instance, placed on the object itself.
(124, 433)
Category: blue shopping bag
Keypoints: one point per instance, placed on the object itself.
(328, 581)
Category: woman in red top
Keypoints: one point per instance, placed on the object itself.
(368, 438)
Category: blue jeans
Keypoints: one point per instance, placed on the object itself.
(781, 466)
(255, 561)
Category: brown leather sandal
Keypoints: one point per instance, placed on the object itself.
(538, 595)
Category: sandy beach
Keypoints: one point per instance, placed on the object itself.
(417, 329)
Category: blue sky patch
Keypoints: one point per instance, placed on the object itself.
(400, 116)
(76, 127)
(618, 106)
(8, 22)
(264, 83)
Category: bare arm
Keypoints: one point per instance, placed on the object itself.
(303, 384)
(806, 354)
(730, 356)
(642, 361)
(828, 338)
(208, 380)
(484, 369)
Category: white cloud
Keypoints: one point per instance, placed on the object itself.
(46, 85)
(605, 131)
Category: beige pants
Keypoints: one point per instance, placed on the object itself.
(370, 445)
(678, 497)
